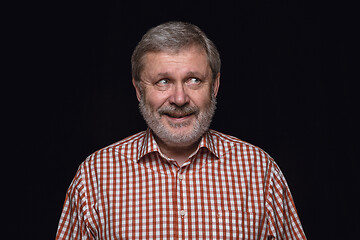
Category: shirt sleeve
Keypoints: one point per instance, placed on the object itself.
(283, 220)
(73, 221)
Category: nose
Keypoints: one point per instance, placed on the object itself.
(179, 96)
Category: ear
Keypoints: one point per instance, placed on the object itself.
(137, 89)
(216, 84)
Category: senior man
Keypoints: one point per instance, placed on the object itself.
(178, 179)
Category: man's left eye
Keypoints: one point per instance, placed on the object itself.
(194, 80)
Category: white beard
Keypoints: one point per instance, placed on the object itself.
(200, 126)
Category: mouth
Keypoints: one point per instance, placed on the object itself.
(178, 115)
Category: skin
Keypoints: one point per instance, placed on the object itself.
(177, 79)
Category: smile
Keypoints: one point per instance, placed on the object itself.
(177, 115)
(177, 120)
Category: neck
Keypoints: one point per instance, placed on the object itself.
(179, 152)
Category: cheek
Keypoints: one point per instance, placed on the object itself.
(155, 100)
(202, 100)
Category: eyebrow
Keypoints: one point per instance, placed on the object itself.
(188, 74)
(197, 74)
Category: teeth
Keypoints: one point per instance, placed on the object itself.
(177, 116)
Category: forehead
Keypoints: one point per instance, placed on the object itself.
(192, 59)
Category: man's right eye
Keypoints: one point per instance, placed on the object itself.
(162, 82)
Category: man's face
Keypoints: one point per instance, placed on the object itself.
(176, 96)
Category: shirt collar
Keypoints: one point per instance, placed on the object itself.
(208, 142)
(149, 144)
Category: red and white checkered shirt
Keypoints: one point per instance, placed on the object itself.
(227, 189)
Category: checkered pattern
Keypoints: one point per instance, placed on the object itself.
(228, 189)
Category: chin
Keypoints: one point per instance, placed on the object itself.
(185, 135)
(178, 132)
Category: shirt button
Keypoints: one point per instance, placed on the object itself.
(181, 177)
(182, 213)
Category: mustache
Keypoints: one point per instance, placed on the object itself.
(176, 111)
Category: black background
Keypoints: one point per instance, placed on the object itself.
(286, 86)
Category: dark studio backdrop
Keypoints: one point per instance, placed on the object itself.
(286, 87)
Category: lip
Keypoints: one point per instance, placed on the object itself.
(178, 119)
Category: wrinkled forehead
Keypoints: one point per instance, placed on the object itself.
(190, 59)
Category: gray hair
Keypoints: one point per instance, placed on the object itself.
(173, 37)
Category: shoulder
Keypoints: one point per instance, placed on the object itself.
(230, 143)
(123, 150)
(248, 158)
(244, 154)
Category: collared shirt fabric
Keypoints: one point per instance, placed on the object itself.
(227, 189)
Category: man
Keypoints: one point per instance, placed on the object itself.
(178, 179)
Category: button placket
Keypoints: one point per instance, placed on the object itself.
(181, 193)
(182, 201)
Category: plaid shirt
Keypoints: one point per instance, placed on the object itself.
(227, 189)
